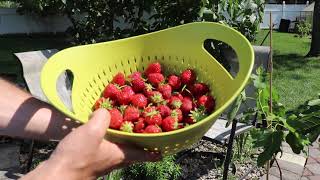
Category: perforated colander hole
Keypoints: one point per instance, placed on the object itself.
(162, 57)
(155, 149)
(187, 141)
(149, 58)
(96, 93)
(175, 149)
(110, 70)
(135, 60)
(116, 66)
(169, 57)
(165, 152)
(177, 145)
(167, 147)
(146, 149)
(155, 57)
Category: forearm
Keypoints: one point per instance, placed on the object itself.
(22, 115)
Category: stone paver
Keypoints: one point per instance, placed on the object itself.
(314, 152)
(311, 160)
(314, 177)
(307, 172)
(271, 177)
(304, 178)
(286, 175)
(292, 167)
(314, 168)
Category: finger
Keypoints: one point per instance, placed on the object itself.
(98, 124)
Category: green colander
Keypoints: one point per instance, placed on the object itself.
(178, 48)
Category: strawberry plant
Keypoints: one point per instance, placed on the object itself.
(298, 127)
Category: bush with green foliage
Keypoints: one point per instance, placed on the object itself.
(162, 170)
(102, 20)
(303, 28)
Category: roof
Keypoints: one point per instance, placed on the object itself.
(309, 8)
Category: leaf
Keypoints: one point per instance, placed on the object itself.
(314, 102)
(295, 143)
(272, 143)
(64, 1)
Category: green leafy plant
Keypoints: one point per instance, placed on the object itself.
(243, 15)
(303, 28)
(162, 170)
(298, 127)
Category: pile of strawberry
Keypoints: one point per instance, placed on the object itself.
(149, 102)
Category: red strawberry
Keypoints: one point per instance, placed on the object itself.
(148, 90)
(155, 78)
(174, 81)
(188, 76)
(180, 126)
(127, 126)
(119, 79)
(128, 89)
(139, 126)
(133, 76)
(139, 100)
(187, 105)
(178, 95)
(111, 91)
(177, 113)
(147, 110)
(199, 89)
(206, 101)
(165, 90)
(131, 114)
(103, 103)
(152, 116)
(116, 118)
(152, 129)
(189, 120)
(138, 85)
(153, 68)
(156, 97)
(124, 97)
(196, 116)
(164, 110)
(169, 124)
(175, 102)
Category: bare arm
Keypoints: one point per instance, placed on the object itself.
(21, 115)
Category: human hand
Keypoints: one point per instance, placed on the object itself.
(85, 154)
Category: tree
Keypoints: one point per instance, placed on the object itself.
(315, 42)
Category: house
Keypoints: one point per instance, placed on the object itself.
(294, 10)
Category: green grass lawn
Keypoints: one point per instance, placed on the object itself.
(295, 77)
(9, 64)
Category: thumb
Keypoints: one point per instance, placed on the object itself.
(98, 124)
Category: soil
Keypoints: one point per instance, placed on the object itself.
(205, 161)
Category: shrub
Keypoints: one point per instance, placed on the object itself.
(162, 170)
(303, 28)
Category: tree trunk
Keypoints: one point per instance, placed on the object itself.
(315, 42)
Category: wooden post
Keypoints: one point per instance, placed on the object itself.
(270, 64)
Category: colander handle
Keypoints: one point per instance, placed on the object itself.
(49, 76)
(238, 42)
